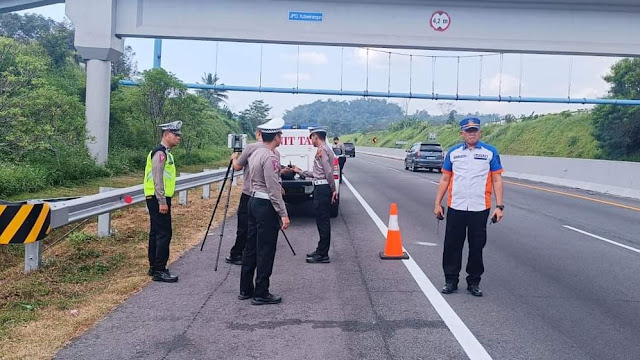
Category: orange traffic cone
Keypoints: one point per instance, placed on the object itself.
(393, 249)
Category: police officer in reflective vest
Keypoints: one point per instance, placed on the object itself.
(267, 215)
(469, 172)
(159, 187)
(324, 193)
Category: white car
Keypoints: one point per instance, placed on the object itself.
(296, 149)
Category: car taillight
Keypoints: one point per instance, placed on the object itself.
(336, 169)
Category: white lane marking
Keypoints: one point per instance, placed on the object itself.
(426, 243)
(396, 170)
(601, 238)
(460, 331)
(434, 182)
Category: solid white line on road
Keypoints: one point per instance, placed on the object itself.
(426, 243)
(434, 182)
(460, 331)
(603, 239)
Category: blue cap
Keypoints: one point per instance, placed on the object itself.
(469, 123)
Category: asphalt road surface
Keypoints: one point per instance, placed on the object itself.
(561, 282)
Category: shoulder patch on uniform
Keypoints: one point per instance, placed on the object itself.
(319, 152)
(162, 157)
(276, 164)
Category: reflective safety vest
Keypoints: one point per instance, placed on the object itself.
(169, 176)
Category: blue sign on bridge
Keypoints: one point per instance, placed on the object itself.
(305, 16)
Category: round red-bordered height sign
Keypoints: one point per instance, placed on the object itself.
(440, 21)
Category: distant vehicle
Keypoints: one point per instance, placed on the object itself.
(428, 156)
(349, 149)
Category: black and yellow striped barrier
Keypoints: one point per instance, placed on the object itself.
(24, 223)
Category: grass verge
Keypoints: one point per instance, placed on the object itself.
(84, 277)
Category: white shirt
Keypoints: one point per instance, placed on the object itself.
(471, 170)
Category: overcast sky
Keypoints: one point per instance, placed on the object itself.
(320, 67)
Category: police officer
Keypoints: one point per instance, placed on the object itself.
(342, 158)
(159, 187)
(324, 192)
(267, 215)
(241, 163)
(470, 171)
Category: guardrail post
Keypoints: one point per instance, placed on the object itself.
(206, 189)
(104, 220)
(183, 196)
(32, 253)
(32, 256)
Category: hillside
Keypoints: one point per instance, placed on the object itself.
(559, 135)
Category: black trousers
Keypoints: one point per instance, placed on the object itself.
(243, 226)
(341, 161)
(322, 207)
(159, 234)
(258, 255)
(460, 225)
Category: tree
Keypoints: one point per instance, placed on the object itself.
(256, 114)
(39, 118)
(509, 119)
(345, 117)
(157, 87)
(451, 120)
(55, 37)
(126, 67)
(617, 128)
(213, 96)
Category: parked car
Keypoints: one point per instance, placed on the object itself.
(428, 156)
(349, 149)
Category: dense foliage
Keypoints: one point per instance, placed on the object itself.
(42, 111)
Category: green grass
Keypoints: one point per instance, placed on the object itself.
(556, 135)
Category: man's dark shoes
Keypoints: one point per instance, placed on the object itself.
(269, 299)
(164, 276)
(244, 295)
(150, 271)
(449, 288)
(312, 254)
(474, 290)
(318, 259)
(234, 259)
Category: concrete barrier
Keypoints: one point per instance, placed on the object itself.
(619, 178)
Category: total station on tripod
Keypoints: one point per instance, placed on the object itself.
(237, 142)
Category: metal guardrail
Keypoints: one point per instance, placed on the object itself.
(66, 212)
(70, 210)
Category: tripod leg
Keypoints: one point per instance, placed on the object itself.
(224, 221)
(288, 242)
(226, 176)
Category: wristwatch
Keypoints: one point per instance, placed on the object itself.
(501, 207)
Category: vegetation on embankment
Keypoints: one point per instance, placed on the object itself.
(559, 135)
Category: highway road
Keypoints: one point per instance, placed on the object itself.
(551, 290)
(561, 282)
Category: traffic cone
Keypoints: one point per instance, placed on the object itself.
(393, 249)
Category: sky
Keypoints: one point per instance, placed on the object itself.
(328, 67)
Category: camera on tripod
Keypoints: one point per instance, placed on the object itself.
(237, 142)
